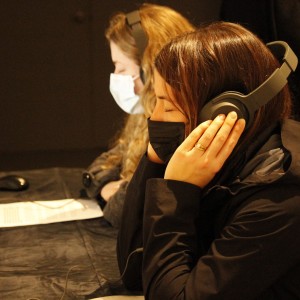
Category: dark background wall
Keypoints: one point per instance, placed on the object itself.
(56, 109)
(55, 105)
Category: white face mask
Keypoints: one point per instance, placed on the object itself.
(122, 89)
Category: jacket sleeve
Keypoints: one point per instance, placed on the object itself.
(130, 239)
(98, 177)
(113, 208)
(253, 250)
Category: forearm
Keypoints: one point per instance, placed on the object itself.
(242, 261)
(170, 246)
(95, 177)
(113, 209)
(130, 233)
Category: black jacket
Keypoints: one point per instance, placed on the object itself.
(239, 240)
(98, 178)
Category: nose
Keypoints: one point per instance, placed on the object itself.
(157, 112)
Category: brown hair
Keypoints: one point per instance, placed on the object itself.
(220, 57)
(160, 24)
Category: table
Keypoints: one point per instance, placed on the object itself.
(35, 261)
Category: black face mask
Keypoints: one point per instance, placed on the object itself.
(165, 137)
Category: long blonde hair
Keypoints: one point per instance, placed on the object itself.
(160, 24)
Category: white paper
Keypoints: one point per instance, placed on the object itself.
(45, 212)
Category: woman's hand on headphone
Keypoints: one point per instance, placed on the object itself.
(203, 153)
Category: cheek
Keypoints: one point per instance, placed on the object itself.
(138, 86)
(158, 112)
(182, 118)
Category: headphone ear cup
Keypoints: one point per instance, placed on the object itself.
(224, 104)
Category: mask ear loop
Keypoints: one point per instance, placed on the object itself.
(135, 77)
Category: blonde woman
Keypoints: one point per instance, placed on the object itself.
(107, 177)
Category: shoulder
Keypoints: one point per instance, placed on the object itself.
(273, 208)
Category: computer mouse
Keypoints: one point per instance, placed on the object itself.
(13, 183)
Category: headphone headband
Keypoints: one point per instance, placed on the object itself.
(247, 105)
(277, 80)
(134, 22)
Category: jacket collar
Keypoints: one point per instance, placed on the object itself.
(277, 158)
(289, 137)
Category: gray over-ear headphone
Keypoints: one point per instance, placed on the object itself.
(246, 105)
(134, 22)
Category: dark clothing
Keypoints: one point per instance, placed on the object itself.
(99, 177)
(237, 239)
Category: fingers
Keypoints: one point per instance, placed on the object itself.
(211, 136)
(205, 150)
(232, 140)
(193, 137)
(217, 139)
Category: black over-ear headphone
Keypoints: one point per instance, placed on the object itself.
(134, 22)
(246, 105)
